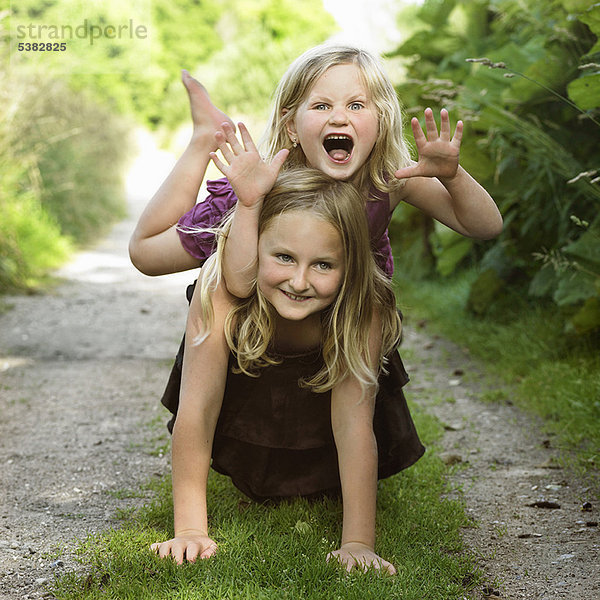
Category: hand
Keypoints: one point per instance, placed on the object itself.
(249, 175)
(356, 555)
(438, 154)
(188, 546)
(206, 117)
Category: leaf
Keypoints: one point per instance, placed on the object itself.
(587, 318)
(449, 248)
(500, 259)
(551, 70)
(575, 6)
(586, 250)
(591, 17)
(574, 287)
(585, 91)
(544, 282)
(436, 13)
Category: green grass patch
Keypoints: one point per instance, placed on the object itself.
(544, 371)
(277, 552)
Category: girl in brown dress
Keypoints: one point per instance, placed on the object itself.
(311, 306)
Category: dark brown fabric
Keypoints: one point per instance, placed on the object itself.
(274, 438)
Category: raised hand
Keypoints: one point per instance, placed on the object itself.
(355, 555)
(250, 176)
(186, 547)
(438, 153)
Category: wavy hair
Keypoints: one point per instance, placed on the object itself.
(346, 324)
(390, 152)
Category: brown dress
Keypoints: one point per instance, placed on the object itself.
(274, 438)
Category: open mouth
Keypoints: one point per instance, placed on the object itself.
(295, 297)
(339, 147)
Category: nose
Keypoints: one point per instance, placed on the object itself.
(299, 280)
(338, 116)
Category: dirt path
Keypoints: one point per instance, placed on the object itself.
(82, 367)
(537, 535)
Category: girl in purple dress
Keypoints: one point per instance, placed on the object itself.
(336, 110)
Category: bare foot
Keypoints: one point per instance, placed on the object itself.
(206, 117)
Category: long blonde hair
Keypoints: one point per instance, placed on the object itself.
(390, 152)
(346, 324)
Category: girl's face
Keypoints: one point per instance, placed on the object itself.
(337, 124)
(300, 264)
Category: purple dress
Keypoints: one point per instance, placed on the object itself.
(274, 438)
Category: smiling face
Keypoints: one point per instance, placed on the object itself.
(337, 125)
(300, 264)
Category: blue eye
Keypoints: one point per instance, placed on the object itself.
(324, 266)
(285, 258)
(356, 106)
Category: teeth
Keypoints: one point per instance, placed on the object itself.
(338, 146)
(294, 297)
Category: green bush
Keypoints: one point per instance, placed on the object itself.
(62, 160)
(525, 141)
(81, 153)
(30, 240)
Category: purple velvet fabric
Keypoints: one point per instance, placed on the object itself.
(221, 199)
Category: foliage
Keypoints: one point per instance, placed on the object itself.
(30, 240)
(134, 74)
(81, 152)
(535, 149)
(63, 144)
(278, 551)
(260, 39)
(243, 45)
(62, 160)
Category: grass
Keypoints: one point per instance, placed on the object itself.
(540, 369)
(277, 552)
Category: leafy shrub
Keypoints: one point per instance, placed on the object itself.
(62, 160)
(525, 140)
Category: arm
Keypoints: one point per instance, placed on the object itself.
(438, 186)
(251, 179)
(202, 389)
(154, 247)
(352, 412)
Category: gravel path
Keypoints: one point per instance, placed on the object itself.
(81, 370)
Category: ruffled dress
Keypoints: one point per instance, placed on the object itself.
(274, 438)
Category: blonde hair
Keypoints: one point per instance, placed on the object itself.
(390, 152)
(346, 324)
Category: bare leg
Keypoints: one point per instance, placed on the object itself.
(154, 247)
(206, 117)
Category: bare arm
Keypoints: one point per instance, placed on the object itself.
(251, 179)
(154, 247)
(202, 389)
(438, 186)
(352, 412)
